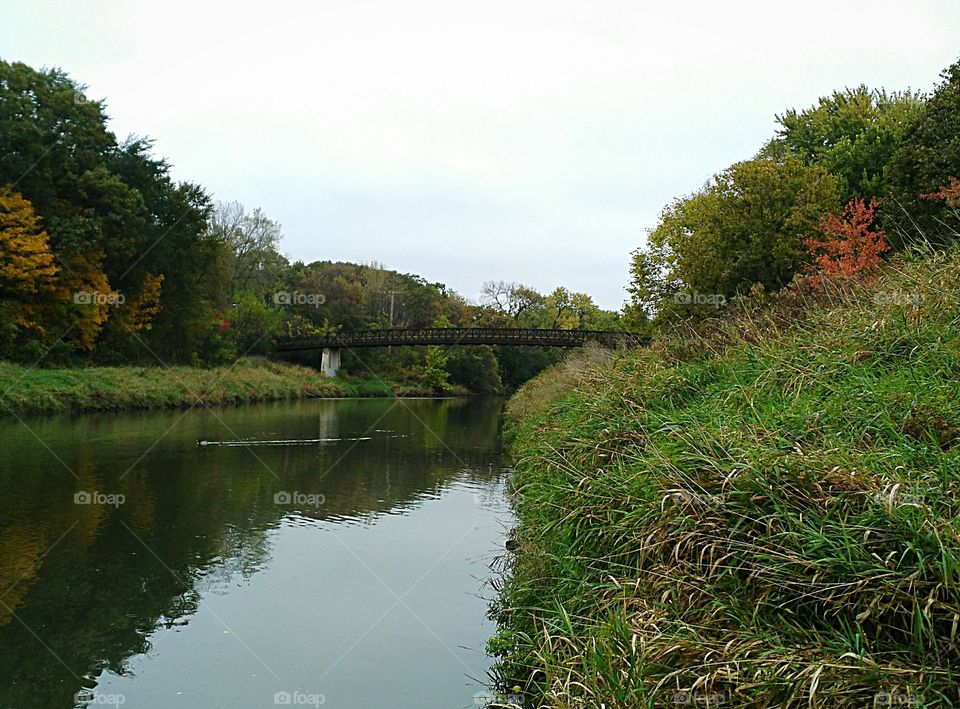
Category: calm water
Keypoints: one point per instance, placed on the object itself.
(337, 558)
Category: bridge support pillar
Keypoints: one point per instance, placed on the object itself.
(330, 361)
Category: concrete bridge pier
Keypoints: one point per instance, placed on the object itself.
(330, 361)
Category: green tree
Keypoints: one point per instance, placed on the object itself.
(194, 264)
(50, 135)
(853, 134)
(255, 324)
(746, 227)
(475, 368)
(927, 159)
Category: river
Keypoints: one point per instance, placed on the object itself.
(327, 553)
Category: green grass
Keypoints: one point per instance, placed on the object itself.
(765, 510)
(35, 390)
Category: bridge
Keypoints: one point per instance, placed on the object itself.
(331, 344)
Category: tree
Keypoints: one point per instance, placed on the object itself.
(50, 135)
(253, 240)
(55, 145)
(27, 268)
(26, 262)
(928, 157)
(194, 265)
(853, 134)
(513, 299)
(255, 325)
(745, 227)
(83, 302)
(116, 220)
(475, 368)
(650, 283)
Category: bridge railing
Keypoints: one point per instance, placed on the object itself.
(530, 337)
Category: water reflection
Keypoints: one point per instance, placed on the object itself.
(131, 543)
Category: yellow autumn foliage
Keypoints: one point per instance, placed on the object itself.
(26, 262)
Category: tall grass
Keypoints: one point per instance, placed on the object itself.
(762, 511)
(26, 390)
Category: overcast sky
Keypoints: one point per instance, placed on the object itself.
(532, 141)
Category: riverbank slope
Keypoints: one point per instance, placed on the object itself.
(26, 390)
(762, 512)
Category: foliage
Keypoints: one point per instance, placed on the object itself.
(948, 194)
(433, 372)
(252, 239)
(927, 158)
(746, 227)
(85, 299)
(26, 263)
(848, 245)
(474, 368)
(255, 324)
(217, 346)
(853, 134)
(27, 269)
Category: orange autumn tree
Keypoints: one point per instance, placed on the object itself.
(847, 244)
(26, 262)
(27, 267)
(144, 307)
(87, 298)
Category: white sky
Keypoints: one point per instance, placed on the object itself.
(528, 140)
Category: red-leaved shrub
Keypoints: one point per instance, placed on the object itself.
(847, 244)
(949, 194)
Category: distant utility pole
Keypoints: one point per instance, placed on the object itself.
(392, 293)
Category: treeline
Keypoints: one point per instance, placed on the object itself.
(106, 259)
(857, 177)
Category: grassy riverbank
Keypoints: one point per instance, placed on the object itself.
(764, 513)
(26, 390)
